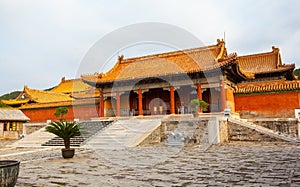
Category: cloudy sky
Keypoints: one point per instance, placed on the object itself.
(44, 40)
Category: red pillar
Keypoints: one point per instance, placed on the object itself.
(140, 98)
(172, 98)
(223, 98)
(118, 103)
(101, 104)
(199, 91)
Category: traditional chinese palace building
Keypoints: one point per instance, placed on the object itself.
(164, 84)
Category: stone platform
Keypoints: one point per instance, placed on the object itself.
(230, 164)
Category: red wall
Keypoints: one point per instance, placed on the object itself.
(230, 99)
(265, 105)
(74, 112)
(268, 105)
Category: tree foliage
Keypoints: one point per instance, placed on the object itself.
(61, 112)
(12, 95)
(197, 104)
(2, 105)
(297, 73)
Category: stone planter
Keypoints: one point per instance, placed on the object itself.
(9, 171)
(68, 153)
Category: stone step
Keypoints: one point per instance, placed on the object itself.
(89, 128)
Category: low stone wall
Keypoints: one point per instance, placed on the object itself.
(223, 131)
(287, 126)
(192, 131)
(29, 128)
(241, 133)
(110, 112)
(154, 138)
(11, 135)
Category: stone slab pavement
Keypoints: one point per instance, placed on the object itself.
(230, 164)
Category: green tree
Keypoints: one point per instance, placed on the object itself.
(297, 73)
(4, 105)
(12, 95)
(198, 105)
(61, 112)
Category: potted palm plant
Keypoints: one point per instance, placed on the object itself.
(198, 105)
(65, 130)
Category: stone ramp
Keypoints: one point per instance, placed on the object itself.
(124, 133)
(263, 130)
(41, 137)
(34, 139)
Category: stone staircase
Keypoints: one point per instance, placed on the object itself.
(263, 130)
(90, 128)
(124, 133)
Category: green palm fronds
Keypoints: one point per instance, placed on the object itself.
(64, 130)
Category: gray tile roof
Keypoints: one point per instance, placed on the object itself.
(12, 115)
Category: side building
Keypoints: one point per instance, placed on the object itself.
(11, 123)
(274, 91)
(40, 105)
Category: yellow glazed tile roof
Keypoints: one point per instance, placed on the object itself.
(176, 62)
(91, 93)
(40, 96)
(15, 101)
(268, 62)
(267, 86)
(71, 86)
(89, 101)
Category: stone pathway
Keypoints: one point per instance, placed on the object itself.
(35, 139)
(232, 164)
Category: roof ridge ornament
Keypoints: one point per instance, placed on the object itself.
(220, 42)
(120, 58)
(223, 52)
(275, 49)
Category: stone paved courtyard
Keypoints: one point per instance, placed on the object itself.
(231, 164)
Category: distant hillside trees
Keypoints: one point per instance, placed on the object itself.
(12, 95)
